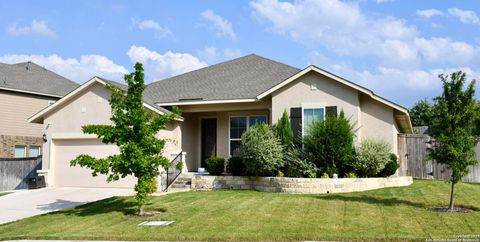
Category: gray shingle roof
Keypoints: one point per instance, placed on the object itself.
(125, 87)
(28, 76)
(242, 78)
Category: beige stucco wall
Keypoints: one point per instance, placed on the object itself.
(378, 122)
(91, 107)
(371, 119)
(326, 92)
(16, 109)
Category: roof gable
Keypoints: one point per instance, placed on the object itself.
(38, 117)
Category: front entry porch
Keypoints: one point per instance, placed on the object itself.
(206, 134)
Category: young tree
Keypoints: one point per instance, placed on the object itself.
(421, 113)
(454, 127)
(133, 131)
(284, 131)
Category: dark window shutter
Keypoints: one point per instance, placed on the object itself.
(296, 122)
(331, 111)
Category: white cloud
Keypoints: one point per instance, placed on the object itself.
(341, 27)
(149, 24)
(78, 70)
(444, 50)
(158, 66)
(231, 53)
(223, 26)
(36, 28)
(385, 1)
(429, 13)
(465, 16)
(209, 54)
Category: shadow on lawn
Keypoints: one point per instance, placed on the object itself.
(113, 204)
(373, 200)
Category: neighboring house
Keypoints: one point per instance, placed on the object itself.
(218, 104)
(26, 88)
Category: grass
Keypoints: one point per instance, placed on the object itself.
(4, 193)
(385, 214)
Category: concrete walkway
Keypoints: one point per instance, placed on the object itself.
(27, 203)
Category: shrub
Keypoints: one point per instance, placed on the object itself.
(296, 165)
(351, 175)
(329, 144)
(372, 155)
(261, 151)
(391, 167)
(215, 165)
(325, 175)
(284, 131)
(236, 166)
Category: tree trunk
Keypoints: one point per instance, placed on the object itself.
(141, 210)
(452, 199)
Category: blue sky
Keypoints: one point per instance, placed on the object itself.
(396, 48)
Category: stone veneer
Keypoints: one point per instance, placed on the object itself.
(296, 185)
(8, 142)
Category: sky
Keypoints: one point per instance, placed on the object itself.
(397, 48)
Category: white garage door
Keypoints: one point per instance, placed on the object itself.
(67, 176)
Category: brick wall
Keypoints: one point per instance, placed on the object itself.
(8, 142)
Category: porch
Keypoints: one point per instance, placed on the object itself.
(215, 130)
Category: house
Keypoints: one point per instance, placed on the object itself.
(26, 88)
(218, 104)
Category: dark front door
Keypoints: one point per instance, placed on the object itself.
(209, 138)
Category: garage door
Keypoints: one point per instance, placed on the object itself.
(67, 176)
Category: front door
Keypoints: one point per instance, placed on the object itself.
(209, 139)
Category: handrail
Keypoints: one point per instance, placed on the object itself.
(174, 170)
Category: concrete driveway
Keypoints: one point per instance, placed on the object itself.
(27, 203)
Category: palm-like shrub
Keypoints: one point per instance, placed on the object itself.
(329, 144)
(261, 151)
(372, 155)
(297, 166)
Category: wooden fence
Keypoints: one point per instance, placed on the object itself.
(14, 172)
(412, 149)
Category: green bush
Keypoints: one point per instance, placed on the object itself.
(296, 165)
(284, 131)
(236, 166)
(261, 151)
(215, 165)
(391, 167)
(372, 155)
(351, 175)
(329, 144)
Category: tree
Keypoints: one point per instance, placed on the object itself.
(133, 131)
(453, 125)
(284, 131)
(329, 144)
(421, 113)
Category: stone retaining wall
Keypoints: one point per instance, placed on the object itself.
(296, 185)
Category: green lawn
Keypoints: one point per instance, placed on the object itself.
(385, 214)
(3, 193)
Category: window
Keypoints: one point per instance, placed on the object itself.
(20, 151)
(238, 125)
(311, 115)
(34, 151)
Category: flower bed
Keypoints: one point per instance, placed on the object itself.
(296, 185)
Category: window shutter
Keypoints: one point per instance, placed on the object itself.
(296, 122)
(331, 111)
